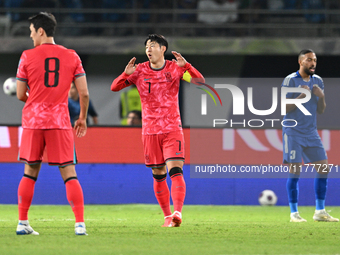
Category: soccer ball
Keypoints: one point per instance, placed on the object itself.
(267, 197)
(10, 86)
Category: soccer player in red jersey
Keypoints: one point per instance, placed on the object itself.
(157, 81)
(43, 80)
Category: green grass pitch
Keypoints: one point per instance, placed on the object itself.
(135, 229)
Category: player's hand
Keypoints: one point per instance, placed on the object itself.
(179, 59)
(80, 127)
(303, 95)
(318, 91)
(131, 66)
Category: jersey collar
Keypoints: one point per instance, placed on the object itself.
(298, 74)
(157, 69)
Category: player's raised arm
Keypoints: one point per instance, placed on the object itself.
(131, 66)
(191, 74)
(21, 91)
(179, 59)
(122, 81)
(80, 125)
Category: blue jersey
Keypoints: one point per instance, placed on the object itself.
(306, 126)
(74, 110)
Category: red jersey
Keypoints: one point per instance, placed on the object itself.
(158, 90)
(48, 70)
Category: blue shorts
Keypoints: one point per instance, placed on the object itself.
(296, 148)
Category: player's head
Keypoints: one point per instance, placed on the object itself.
(134, 118)
(155, 47)
(307, 61)
(160, 39)
(42, 24)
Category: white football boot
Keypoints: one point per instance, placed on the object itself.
(25, 229)
(80, 228)
(322, 215)
(295, 217)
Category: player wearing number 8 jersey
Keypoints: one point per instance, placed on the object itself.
(157, 81)
(43, 80)
(302, 141)
(47, 105)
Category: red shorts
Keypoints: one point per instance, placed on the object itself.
(59, 144)
(163, 147)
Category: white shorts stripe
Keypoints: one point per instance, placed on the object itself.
(285, 137)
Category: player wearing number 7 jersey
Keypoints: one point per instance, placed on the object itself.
(157, 81)
(45, 74)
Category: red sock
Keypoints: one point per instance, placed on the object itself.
(25, 196)
(74, 194)
(162, 193)
(178, 191)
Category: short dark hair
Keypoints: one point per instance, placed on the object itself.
(160, 39)
(304, 52)
(137, 113)
(45, 21)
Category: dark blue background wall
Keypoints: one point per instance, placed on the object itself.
(132, 183)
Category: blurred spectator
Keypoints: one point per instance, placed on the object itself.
(290, 4)
(46, 5)
(134, 118)
(72, 18)
(74, 106)
(252, 4)
(118, 17)
(129, 101)
(145, 17)
(275, 4)
(314, 5)
(167, 5)
(252, 17)
(13, 4)
(143, 4)
(275, 16)
(217, 18)
(214, 18)
(93, 17)
(334, 5)
(115, 4)
(187, 5)
(74, 4)
(187, 17)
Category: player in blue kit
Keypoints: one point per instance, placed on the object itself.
(303, 141)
